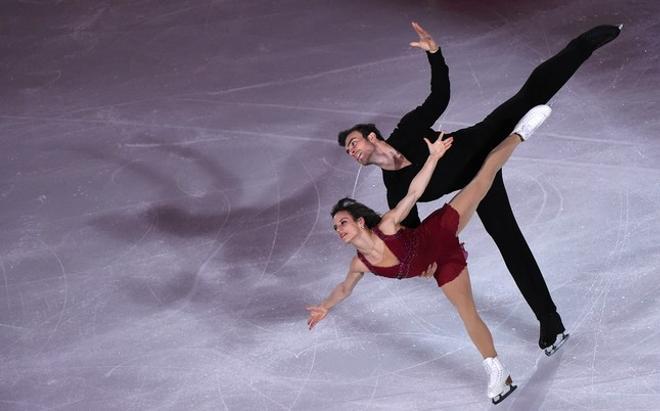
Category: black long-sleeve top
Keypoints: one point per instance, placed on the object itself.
(408, 139)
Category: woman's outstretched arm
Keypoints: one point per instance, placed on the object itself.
(391, 219)
(339, 294)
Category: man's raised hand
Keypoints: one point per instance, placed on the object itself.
(425, 42)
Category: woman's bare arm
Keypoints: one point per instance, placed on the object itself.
(391, 220)
(342, 291)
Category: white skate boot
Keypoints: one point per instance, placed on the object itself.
(500, 384)
(531, 121)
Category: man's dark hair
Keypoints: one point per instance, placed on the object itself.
(364, 129)
(357, 210)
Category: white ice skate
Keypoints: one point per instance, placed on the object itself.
(531, 121)
(500, 384)
(559, 341)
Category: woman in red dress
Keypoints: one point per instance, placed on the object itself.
(386, 248)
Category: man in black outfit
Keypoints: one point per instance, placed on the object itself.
(402, 155)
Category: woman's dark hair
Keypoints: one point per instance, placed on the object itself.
(357, 210)
(364, 129)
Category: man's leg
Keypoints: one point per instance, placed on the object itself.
(495, 210)
(472, 144)
(542, 84)
(497, 217)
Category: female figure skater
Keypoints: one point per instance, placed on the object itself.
(386, 248)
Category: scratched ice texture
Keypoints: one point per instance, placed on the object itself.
(167, 170)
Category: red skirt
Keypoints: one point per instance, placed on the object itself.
(440, 244)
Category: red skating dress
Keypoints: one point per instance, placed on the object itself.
(415, 248)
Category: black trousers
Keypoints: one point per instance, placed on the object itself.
(495, 210)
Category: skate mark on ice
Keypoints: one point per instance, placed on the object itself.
(308, 235)
(107, 122)
(615, 79)
(475, 78)
(66, 295)
(372, 395)
(171, 13)
(221, 395)
(278, 219)
(582, 164)
(242, 310)
(459, 342)
(6, 282)
(294, 107)
(357, 177)
(544, 198)
(26, 403)
(265, 396)
(613, 259)
(560, 196)
(175, 144)
(314, 76)
(337, 169)
(306, 379)
(427, 326)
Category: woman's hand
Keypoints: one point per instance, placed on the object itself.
(316, 314)
(425, 42)
(430, 270)
(438, 148)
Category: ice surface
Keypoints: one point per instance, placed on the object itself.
(166, 174)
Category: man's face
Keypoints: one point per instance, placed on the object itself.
(359, 147)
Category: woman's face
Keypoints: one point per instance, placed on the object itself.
(345, 226)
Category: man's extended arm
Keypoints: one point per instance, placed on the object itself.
(423, 117)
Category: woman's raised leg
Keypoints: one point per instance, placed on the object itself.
(467, 200)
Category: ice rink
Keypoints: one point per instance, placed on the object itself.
(167, 170)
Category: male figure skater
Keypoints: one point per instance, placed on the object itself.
(402, 155)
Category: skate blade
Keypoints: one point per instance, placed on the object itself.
(561, 339)
(501, 397)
